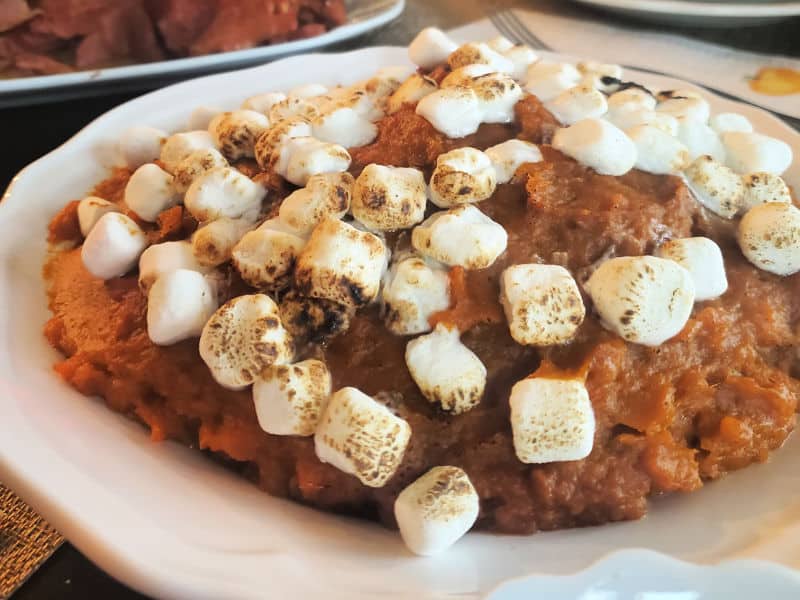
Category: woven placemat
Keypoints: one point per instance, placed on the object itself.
(26, 541)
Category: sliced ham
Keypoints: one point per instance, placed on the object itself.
(40, 64)
(181, 22)
(122, 32)
(14, 13)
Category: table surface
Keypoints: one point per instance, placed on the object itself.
(68, 574)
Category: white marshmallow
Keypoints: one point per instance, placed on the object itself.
(224, 192)
(724, 122)
(194, 165)
(597, 144)
(543, 304)
(213, 243)
(361, 437)
(413, 89)
(435, 511)
(464, 76)
(113, 246)
(627, 118)
(267, 148)
(166, 257)
(632, 99)
(500, 44)
(413, 290)
(700, 140)
(289, 399)
(150, 191)
(551, 419)
(235, 133)
(759, 188)
(454, 111)
(546, 80)
(747, 152)
(242, 338)
(769, 236)
(703, 259)
(265, 256)
(300, 158)
(342, 264)
(325, 195)
(365, 99)
(715, 186)
(657, 151)
(140, 145)
(389, 198)
(643, 299)
(460, 236)
(430, 48)
(462, 176)
(478, 53)
(201, 117)
(689, 109)
(263, 103)
(577, 103)
(590, 67)
(90, 209)
(180, 145)
(179, 304)
(308, 90)
(497, 94)
(521, 57)
(343, 126)
(445, 370)
(508, 156)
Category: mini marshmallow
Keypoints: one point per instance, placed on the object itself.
(461, 176)
(627, 118)
(551, 420)
(113, 246)
(769, 236)
(700, 140)
(166, 257)
(430, 48)
(364, 98)
(198, 162)
(643, 299)
(361, 437)
(521, 57)
(90, 209)
(201, 117)
(445, 370)
(464, 76)
(500, 44)
(508, 156)
(263, 103)
(213, 243)
(325, 195)
(265, 256)
(275, 137)
(497, 94)
(591, 67)
(344, 126)
(724, 122)
(308, 90)
(224, 192)
(413, 290)
(289, 399)
(300, 158)
(179, 304)
(235, 133)
(140, 145)
(180, 145)
(715, 186)
(455, 111)
(703, 259)
(747, 152)
(413, 89)
(759, 188)
(689, 109)
(461, 236)
(292, 108)
(341, 263)
(632, 98)
(597, 144)
(543, 304)
(547, 80)
(149, 191)
(389, 198)
(478, 53)
(576, 103)
(242, 338)
(657, 151)
(435, 511)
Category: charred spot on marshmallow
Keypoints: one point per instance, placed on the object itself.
(274, 137)
(235, 133)
(150, 191)
(430, 48)
(294, 107)
(194, 165)
(141, 145)
(325, 195)
(266, 256)
(478, 53)
(715, 186)
(164, 258)
(747, 152)
(657, 151)
(462, 176)
(224, 192)
(179, 304)
(597, 144)
(90, 209)
(769, 236)
(497, 95)
(361, 437)
(314, 320)
(263, 103)
(413, 290)
(576, 103)
(113, 246)
(213, 243)
(412, 90)
(760, 188)
(455, 111)
(389, 198)
(703, 259)
(508, 156)
(180, 145)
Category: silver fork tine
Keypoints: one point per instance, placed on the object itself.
(500, 25)
(526, 34)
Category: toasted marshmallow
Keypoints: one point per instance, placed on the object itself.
(201, 117)
(90, 209)
(361, 437)
(180, 145)
(724, 122)
(140, 145)
(632, 99)
(342, 264)
(435, 511)
(500, 44)
(703, 259)
(308, 90)
(344, 126)
(292, 108)
(213, 243)
(413, 89)
(542, 303)
(508, 156)
(265, 256)
(643, 299)
(547, 80)
(591, 67)
(150, 191)
(461, 236)
(497, 95)
(577, 103)
(700, 140)
(235, 133)
(314, 319)
(597, 144)
(551, 420)
(445, 370)
(364, 98)
(478, 53)
(389, 198)
(413, 290)
(242, 338)
(300, 158)
(759, 188)
(628, 118)
(657, 151)
(715, 186)
(769, 236)
(194, 165)
(747, 152)
(179, 304)
(325, 195)
(166, 257)
(464, 76)
(263, 103)
(113, 246)
(521, 57)
(267, 149)
(462, 176)
(289, 399)
(690, 109)
(224, 192)
(455, 111)
(430, 48)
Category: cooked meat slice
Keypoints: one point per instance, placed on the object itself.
(14, 13)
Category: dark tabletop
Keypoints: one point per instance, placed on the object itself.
(31, 131)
